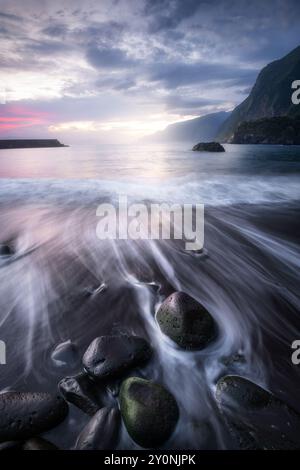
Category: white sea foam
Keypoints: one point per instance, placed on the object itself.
(225, 190)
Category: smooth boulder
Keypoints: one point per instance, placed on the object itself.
(102, 431)
(110, 356)
(10, 445)
(6, 249)
(66, 355)
(149, 411)
(77, 390)
(208, 147)
(26, 414)
(255, 417)
(186, 321)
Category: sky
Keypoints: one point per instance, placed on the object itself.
(118, 70)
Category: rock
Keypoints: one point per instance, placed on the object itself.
(110, 356)
(233, 359)
(10, 445)
(208, 147)
(65, 354)
(38, 443)
(6, 249)
(77, 390)
(29, 143)
(26, 414)
(255, 417)
(149, 411)
(102, 432)
(186, 321)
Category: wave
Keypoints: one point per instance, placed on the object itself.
(218, 191)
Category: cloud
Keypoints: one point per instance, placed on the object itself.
(119, 59)
(174, 75)
(175, 102)
(101, 31)
(55, 30)
(111, 58)
(166, 14)
(118, 82)
(11, 17)
(46, 47)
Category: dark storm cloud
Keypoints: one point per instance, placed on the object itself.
(154, 51)
(259, 30)
(181, 74)
(9, 16)
(113, 58)
(106, 31)
(55, 30)
(166, 14)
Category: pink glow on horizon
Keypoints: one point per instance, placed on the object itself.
(16, 117)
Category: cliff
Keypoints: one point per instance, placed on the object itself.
(204, 128)
(277, 130)
(270, 96)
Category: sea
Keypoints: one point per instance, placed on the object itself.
(62, 286)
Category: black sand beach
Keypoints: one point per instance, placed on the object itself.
(62, 283)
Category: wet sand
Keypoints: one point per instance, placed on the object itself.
(63, 283)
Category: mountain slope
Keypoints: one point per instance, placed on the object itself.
(279, 130)
(204, 128)
(270, 96)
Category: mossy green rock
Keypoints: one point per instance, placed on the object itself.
(149, 411)
(186, 321)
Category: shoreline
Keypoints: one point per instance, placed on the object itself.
(246, 278)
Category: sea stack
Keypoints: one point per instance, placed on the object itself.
(208, 147)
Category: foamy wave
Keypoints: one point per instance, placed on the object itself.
(225, 190)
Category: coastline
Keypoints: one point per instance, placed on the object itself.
(29, 143)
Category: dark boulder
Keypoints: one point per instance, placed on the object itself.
(29, 143)
(7, 249)
(186, 321)
(256, 418)
(149, 411)
(10, 445)
(208, 147)
(102, 431)
(26, 414)
(110, 356)
(38, 443)
(79, 391)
